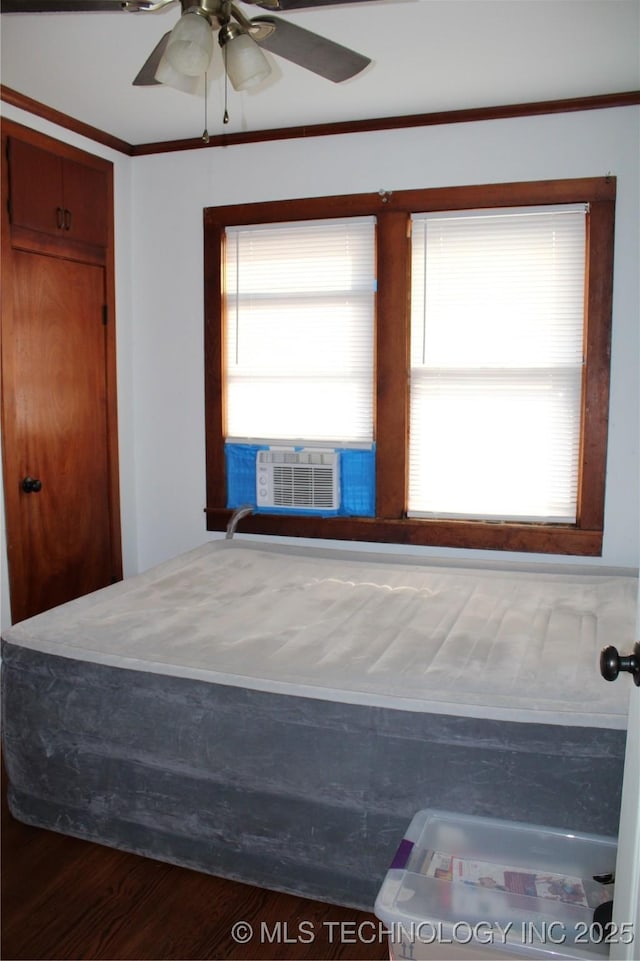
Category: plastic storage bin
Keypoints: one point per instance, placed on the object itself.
(468, 887)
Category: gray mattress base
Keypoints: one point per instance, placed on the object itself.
(296, 794)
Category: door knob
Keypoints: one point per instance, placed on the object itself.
(31, 485)
(611, 663)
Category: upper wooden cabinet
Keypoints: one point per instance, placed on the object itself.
(57, 196)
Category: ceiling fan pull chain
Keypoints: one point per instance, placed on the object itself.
(225, 117)
(205, 132)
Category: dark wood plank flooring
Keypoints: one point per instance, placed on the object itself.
(63, 898)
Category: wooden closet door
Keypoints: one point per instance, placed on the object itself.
(60, 539)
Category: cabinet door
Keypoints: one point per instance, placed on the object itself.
(85, 203)
(35, 188)
(58, 196)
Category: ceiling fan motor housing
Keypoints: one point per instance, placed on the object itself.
(211, 9)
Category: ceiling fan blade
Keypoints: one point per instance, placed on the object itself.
(58, 6)
(146, 76)
(309, 50)
(81, 6)
(299, 4)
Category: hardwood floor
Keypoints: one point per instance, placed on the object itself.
(63, 898)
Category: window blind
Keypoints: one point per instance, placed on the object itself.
(299, 303)
(497, 321)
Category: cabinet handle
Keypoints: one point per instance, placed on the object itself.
(67, 220)
(60, 218)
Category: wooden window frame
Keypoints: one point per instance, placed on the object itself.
(393, 212)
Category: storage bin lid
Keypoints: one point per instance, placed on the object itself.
(518, 888)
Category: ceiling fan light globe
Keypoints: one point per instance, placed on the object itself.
(190, 45)
(167, 75)
(245, 62)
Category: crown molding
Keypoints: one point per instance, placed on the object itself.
(39, 109)
(469, 115)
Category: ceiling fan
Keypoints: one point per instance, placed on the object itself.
(184, 54)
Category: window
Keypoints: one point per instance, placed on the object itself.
(487, 398)
(300, 326)
(497, 307)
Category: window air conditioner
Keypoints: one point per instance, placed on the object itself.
(305, 479)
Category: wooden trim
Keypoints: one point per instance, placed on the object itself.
(214, 367)
(24, 239)
(527, 538)
(39, 109)
(308, 208)
(595, 411)
(392, 339)
(392, 362)
(16, 566)
(111, 380)
(519, 193)
(435, 118)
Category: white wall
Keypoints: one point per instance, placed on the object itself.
(169, 193)
(123, 259)
(159, 292)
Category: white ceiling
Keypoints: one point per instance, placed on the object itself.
(428, 55)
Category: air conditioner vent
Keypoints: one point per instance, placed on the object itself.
(305, 479)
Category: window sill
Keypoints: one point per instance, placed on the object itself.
(470, 535)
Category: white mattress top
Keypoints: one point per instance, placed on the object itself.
(370, 629)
